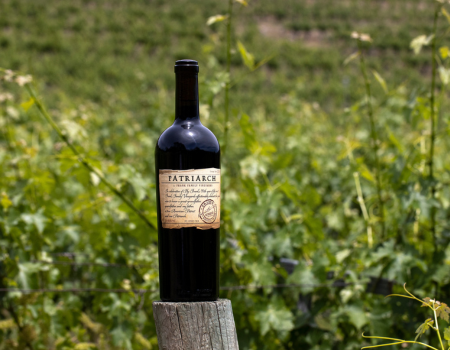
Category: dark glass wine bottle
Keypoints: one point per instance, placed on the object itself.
(188, 198)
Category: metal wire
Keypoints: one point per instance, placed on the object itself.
(73, 263)
(337, 284)
(75, 290)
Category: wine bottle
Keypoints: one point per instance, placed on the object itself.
(187, 159)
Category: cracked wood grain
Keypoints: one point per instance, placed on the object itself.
(195, 326)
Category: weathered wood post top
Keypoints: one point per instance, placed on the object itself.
(195, 325)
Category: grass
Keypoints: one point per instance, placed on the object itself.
(80, 48)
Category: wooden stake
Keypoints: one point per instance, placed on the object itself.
(195, 325)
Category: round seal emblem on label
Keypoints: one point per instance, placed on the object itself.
(208, 211)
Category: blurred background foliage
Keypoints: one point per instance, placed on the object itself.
(301, 215)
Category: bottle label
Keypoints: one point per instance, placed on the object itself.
(190, 198)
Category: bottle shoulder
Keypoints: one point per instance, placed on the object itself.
(188, 135)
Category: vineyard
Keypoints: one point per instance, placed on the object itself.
(332, 118)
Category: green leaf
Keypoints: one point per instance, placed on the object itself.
(27, 105)
(311, 197)
(67, 160)
(444, 315)
(427, 302)
(26, 270)
(447, 335)
(323, 322)
(140, 186)
(142, 341)
(352, 57)
(121, 337)
(218, 82)
(5, 201)
(423, 328)
(380, 80)
(275, 316)
(36, 219)
(291, 191)
(135, 179)
(12, 112)
(443, 311)
(95, 179)
(279, 244)
(71, 232)
(253, 166)
(41, 181)
(267, 148)
(247, 57)
(357, 316)
(250, 140)
(420, 41)
(87, 322)
(342, 255)
(215, 19)
(262, 272)
(365, 173)
(303, 275)
(395, 140)
(84, 346)
(73, 130)
(7, 324)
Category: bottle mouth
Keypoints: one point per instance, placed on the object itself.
(186, 65)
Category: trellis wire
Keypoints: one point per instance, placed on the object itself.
(337, 284)
(73, 263)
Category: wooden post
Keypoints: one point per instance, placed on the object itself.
(195, 326)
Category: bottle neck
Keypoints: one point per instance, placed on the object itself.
(186, 96)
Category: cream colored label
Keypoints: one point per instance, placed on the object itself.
(190, 198)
